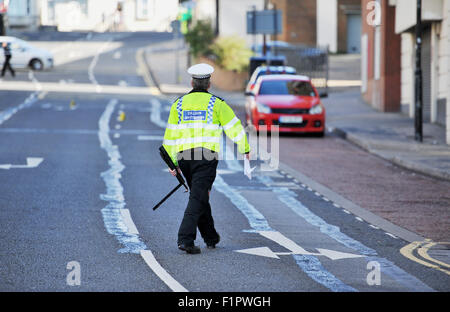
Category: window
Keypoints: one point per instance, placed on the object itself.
(286, 87)
(142, 9)
(19, 8)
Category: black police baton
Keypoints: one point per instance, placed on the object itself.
(169, 162)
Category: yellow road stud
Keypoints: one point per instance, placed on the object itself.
(121, 116)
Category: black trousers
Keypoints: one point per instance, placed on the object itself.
(7, 65)
(200, 173)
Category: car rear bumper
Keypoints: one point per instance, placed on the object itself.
(310, 123)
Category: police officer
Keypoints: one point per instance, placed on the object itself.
(8, 55)
(192, 139)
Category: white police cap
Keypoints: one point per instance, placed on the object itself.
(200, 71)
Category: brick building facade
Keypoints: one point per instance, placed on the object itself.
(303, 19)
(299, 21)
(381, 61)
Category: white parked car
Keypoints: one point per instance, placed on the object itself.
(25, 55)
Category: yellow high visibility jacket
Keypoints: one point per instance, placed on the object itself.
(197, 120)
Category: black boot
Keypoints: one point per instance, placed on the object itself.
(212, 245)
(189, 249)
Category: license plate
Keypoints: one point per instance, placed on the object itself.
(291, 119)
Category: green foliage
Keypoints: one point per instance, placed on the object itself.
(200, 37)
(232, 53)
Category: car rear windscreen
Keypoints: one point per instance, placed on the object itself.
(274, 72)
(286, 87)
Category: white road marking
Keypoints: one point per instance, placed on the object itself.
(374, 227)
(161, 273)
(284, 241)
(294, 248)
(74, 88)
(155, 115)
(391, 235)
(32, 162)
(98, 88)
(36, 83)
(150, 137)
(9, 112)
(259, 251)
(118, 220)
(128, 221)
(359, 219)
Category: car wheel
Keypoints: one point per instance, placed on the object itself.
(36, 64)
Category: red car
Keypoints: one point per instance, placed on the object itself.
(288, 101)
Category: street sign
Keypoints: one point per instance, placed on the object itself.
(267, 22)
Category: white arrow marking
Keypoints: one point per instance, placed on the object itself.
(32, 162)
(294, 248)
(260, 251)
(285, 242)
(337, 255)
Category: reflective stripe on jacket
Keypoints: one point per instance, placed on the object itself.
(197, 120)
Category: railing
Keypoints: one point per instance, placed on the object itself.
(308, 61)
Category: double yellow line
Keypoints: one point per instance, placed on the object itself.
(144, 71)
(422, 251)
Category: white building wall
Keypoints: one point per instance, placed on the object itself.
(440, 70)
(327, 24)
(160, 13)
(407, 73)
(444, 91)
(101, 15)
(406, 13)
(233, 18)
(24, 13)
(204, 10)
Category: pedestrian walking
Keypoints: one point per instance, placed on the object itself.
(8, 56)
(192, 139)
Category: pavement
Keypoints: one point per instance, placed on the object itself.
(387, 135)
